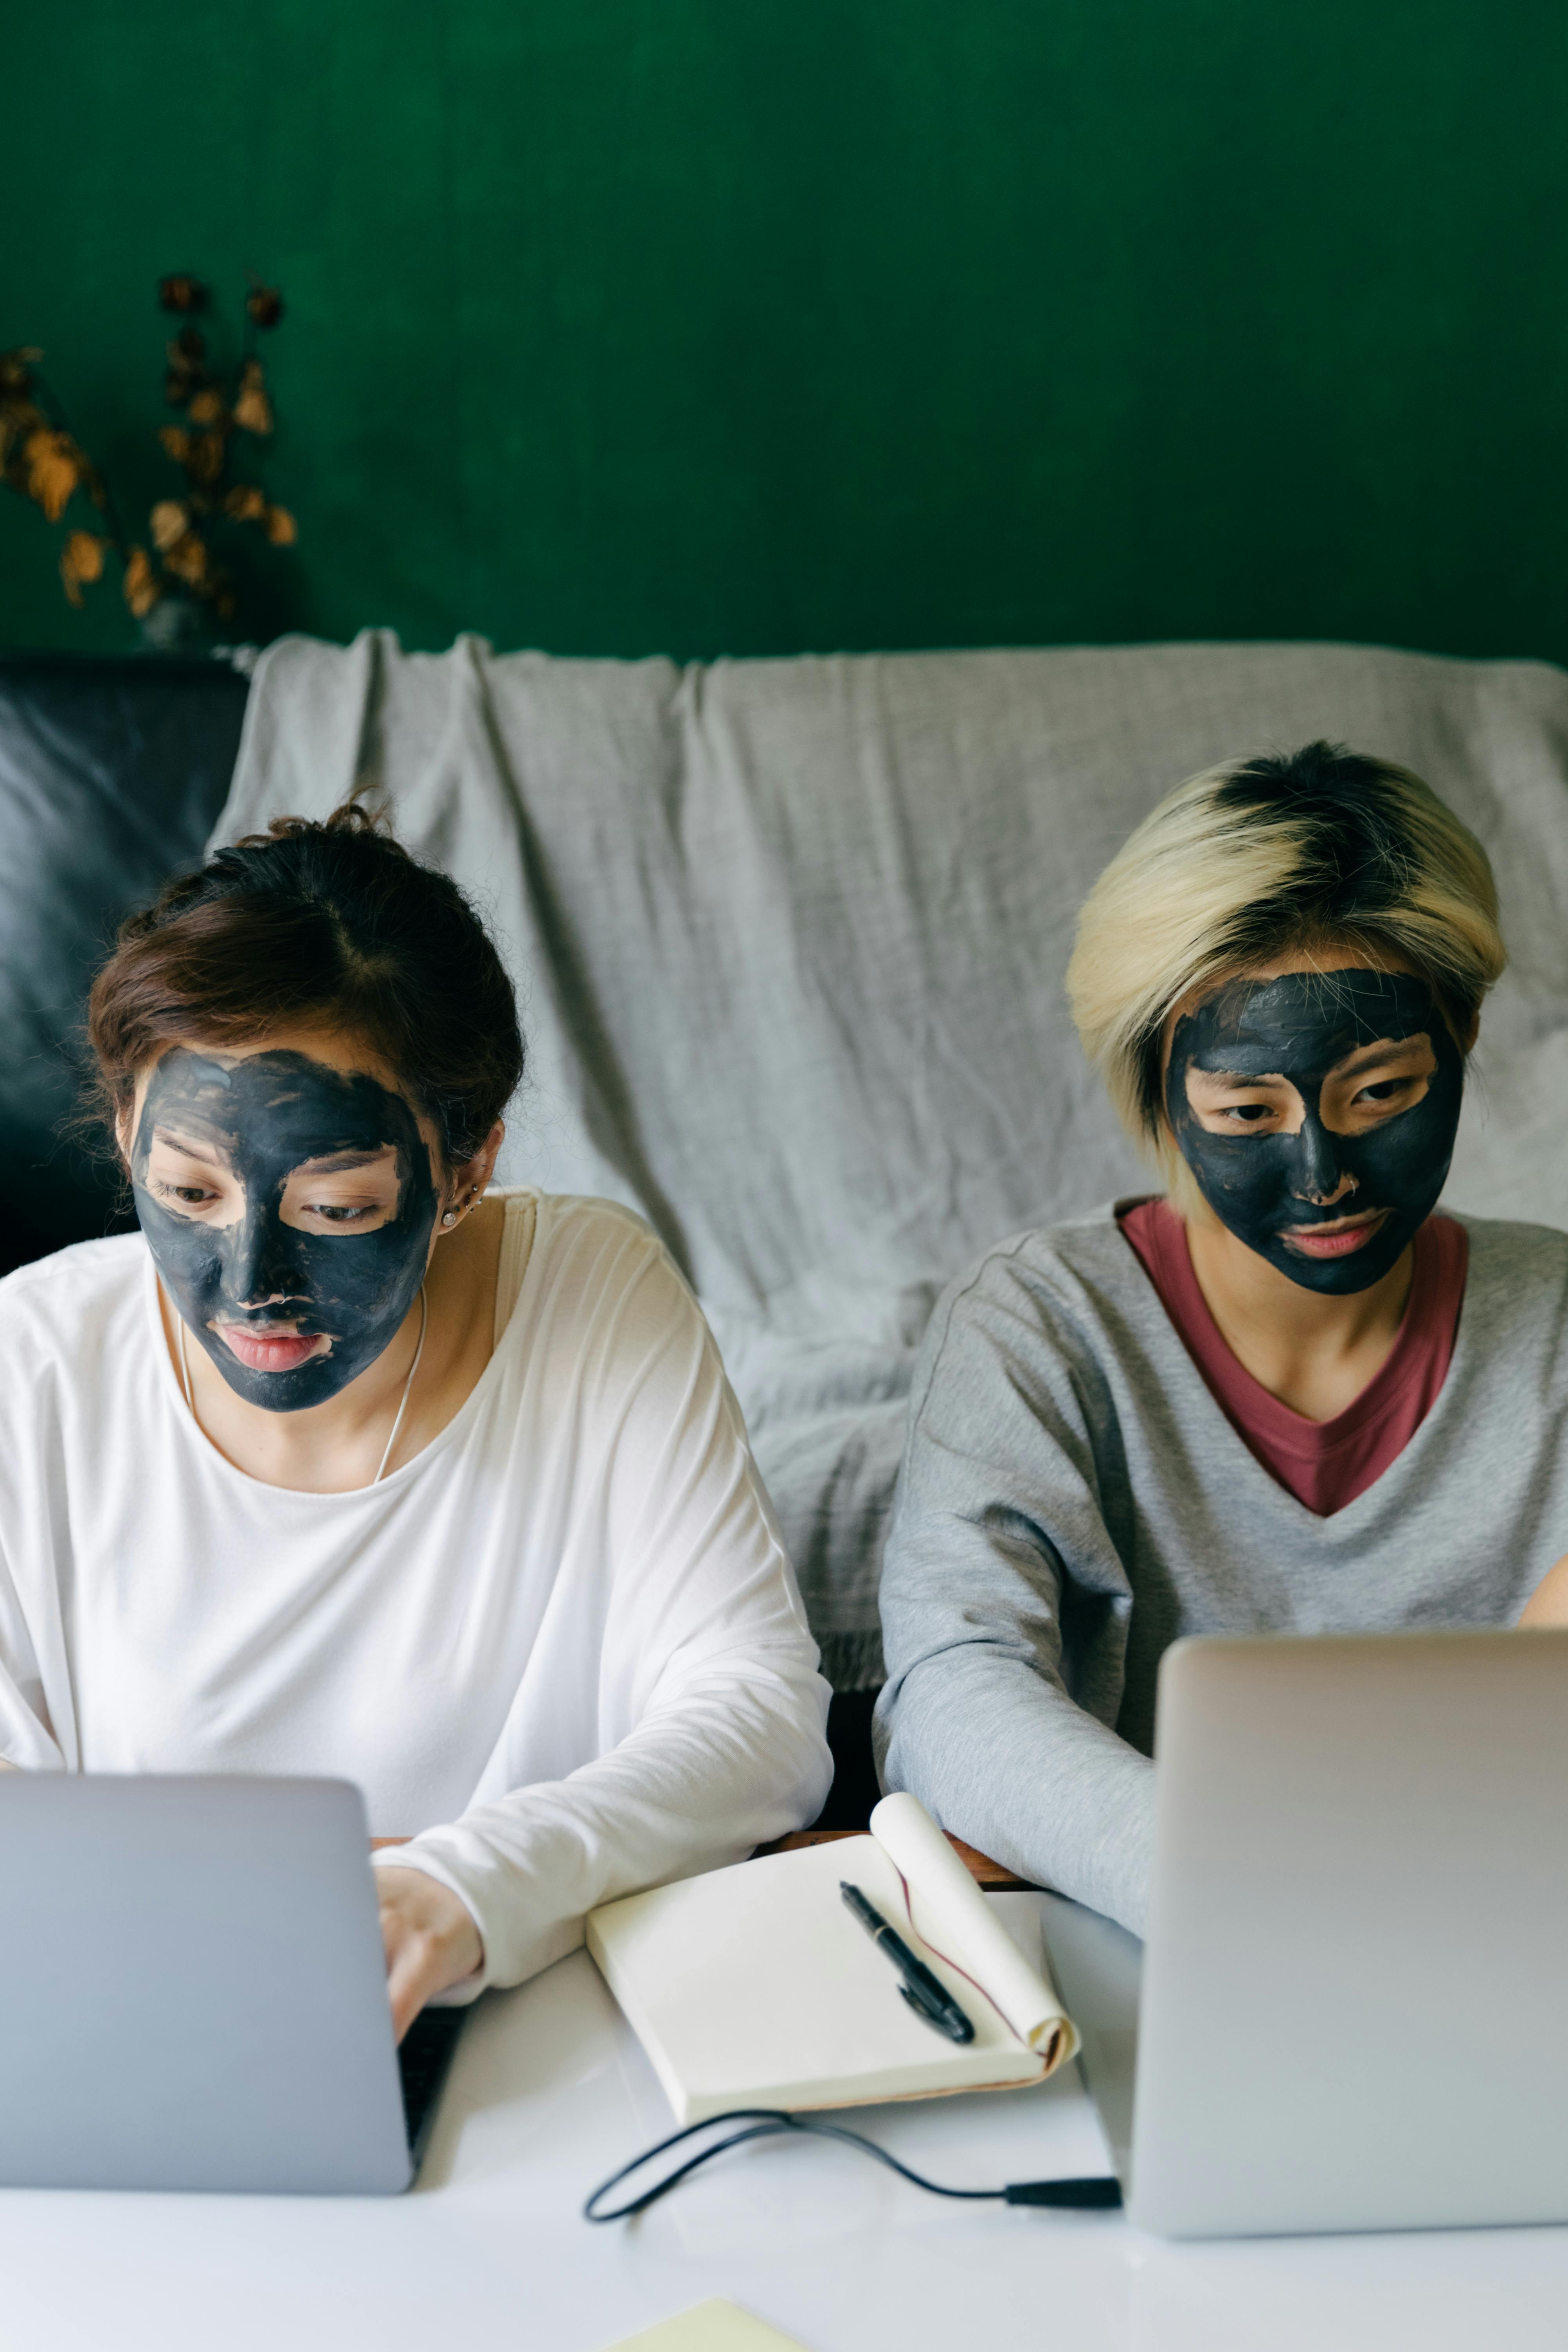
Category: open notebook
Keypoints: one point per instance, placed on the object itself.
(754, 1987)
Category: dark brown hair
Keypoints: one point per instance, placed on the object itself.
(310, 924)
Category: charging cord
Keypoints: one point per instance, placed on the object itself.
(1096, 2193)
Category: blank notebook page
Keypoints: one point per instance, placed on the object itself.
(755, 1986)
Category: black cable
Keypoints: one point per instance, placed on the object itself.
(1095, 2193)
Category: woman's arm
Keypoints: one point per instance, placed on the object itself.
(28, 1741)
(707, 1664)
(1005, 1606)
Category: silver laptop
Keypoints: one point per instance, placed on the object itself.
(193, 1992)
(1351, 2011)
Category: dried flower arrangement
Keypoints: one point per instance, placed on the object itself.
(42, 459)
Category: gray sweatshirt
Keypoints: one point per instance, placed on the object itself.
(1072, 1499)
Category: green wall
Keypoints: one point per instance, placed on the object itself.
(755, 325)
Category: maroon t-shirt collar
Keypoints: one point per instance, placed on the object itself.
(1324, 1464)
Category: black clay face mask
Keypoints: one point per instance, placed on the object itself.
(1302, 1027)
(267, 1278)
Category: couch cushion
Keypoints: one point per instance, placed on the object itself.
(791, 938)
(111, 772)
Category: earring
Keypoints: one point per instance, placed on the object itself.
(450, 1218)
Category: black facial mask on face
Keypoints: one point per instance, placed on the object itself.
(262, 1118)
(1299, 1028)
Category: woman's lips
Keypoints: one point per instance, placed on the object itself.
(269, 1352)
(1335, 1241)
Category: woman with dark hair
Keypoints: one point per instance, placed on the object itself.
(1289, 1396)
(346, 1465)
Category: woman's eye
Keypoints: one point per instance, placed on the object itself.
(190, 1196)
(1249, 1114)
(1382, 1090)
(335, 1215)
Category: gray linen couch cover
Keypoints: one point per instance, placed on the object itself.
(789, 939)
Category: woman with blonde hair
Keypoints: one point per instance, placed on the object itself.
(1284, 1397)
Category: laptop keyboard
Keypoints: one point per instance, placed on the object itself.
(422, 2059)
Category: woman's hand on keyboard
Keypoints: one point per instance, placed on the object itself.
(1548, 1604)
(431, 1941)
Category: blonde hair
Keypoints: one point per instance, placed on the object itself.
(1271, 857)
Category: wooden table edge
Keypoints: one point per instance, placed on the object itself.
(994, 1876)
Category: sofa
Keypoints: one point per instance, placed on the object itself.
(789, 938)
(113, 773)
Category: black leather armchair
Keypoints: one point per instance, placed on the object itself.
(112, 773)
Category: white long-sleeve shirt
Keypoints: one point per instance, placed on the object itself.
(563, 1646)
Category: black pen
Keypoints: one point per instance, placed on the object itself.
(926, 1993)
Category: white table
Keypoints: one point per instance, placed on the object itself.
(550, 2093)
